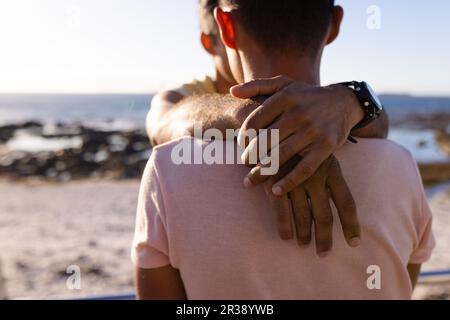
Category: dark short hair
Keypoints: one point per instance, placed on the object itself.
(206, 16)
(281, 26)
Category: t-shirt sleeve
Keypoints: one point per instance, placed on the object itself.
(426, 242)
(150, 248)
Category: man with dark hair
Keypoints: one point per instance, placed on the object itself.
(200, 235)
(267, 24)
(172, 116)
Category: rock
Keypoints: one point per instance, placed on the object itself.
(435, 121)
(31, 124)
(422, 144)
(120, 155)
(434, 172)
(7, 132)
(443, 141)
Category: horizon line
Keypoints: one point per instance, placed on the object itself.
(413, 95)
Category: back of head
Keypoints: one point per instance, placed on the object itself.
(281, 26)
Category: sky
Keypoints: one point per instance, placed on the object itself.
(141, 46)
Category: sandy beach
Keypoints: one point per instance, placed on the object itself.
(69, 192)
(46, 227)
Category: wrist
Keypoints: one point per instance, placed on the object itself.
(353, 109)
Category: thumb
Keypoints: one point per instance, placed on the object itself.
(260, 87)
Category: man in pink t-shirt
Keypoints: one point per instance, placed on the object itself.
(200, 234)
(201, 231)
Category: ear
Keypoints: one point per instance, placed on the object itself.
(226, 27)
(208, 43)
(338, 16)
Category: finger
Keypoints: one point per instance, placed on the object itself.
(302, 216)
(323, 220)
(279, 156)
(267, 139)
(294, 145)
(345, 204)
(257, 149)
(263, 116)
(260, 87)
(255, 177)
(282, 208)
(303, 171)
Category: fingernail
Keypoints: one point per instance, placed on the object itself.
(248, 183)
(277, 191)
(323, 254)
(233, 88)
(355, 242)
(255, 170)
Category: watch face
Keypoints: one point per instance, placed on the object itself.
(375, 98)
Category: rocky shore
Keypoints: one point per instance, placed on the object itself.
(433, 173)
(433, 120)
(97, 153)
(90, 152)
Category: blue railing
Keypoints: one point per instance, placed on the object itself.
(437, 273)
(131, 296)
(122, 297)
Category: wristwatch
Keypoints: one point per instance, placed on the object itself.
(368, 100)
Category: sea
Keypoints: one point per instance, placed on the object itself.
(128, 111)
(116, 111)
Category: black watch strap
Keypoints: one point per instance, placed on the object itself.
(367, 100)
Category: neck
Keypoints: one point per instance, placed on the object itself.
(300, 69)
(222, 85)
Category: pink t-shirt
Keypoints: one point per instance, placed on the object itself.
(223, 238)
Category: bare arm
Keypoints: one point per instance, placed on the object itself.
(162, 104)
(172, 116)
(159, 284)
(414, 272)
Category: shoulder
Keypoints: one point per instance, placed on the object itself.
(169, 168)
(163, 102)
(159, 167)
(387, 158)
(381, 155)
(165, 149)
(381, 149)
(167, 97)
(163, 154)
(188, 156)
